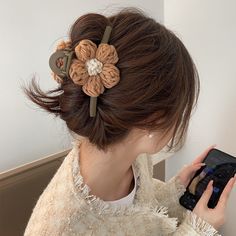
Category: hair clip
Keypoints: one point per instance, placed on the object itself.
(60, 61)
(62, 65)
(93, 100)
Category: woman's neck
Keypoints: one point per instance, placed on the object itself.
(105, 176)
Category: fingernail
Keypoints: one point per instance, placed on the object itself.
(202, 164)
(210, 183)
(234, 180)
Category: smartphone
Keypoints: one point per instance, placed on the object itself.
(220, 167)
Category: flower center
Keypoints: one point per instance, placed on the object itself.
(94, 66)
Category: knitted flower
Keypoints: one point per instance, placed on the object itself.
(94, 67)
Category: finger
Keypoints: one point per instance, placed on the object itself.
(202, 156)
(206, 194)
(191, 169)
(225, 194)
(195, 167)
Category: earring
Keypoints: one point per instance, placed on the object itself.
(150, 135)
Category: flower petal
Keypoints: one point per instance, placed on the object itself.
(57, 78)
(94, 86)
(78, 72)
(63, 44)
(110, 75)
(85, 50)
(106, 53)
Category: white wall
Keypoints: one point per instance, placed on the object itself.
(208, 30)
(30, 30)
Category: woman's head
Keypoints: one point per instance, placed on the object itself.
(158, 85)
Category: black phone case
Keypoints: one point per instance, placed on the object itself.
(220, 167)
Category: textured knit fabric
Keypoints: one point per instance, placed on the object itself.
(127, 200)
(66, 208)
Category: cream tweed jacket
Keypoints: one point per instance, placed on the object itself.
(66, 207)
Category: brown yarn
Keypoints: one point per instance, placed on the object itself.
(78, 72)
(93, 85)
(85, 50)
(109, 75)
(107, 53)
(93, 68)
(64, 44)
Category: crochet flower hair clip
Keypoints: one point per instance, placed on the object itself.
(87, 65)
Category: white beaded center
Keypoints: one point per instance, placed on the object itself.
(94, 66)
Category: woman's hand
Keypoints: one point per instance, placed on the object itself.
(188, 171)
(215, 216)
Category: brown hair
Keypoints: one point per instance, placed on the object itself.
(158, 89)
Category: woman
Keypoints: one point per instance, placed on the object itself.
(122, 101)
